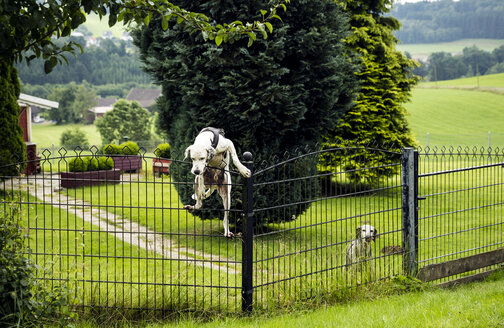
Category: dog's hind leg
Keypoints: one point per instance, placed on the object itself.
(225, 193)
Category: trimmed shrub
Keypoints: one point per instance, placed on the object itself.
(78, 164)
(129, 148)
(74, 137)
(126, 148)
(105, 163)
(12, 147)
(112, 149)
(163, 150)
(92, 164)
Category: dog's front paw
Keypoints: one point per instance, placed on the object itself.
(189, 208)
(229, 235)
(246, 172)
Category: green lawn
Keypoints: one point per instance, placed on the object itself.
(45, 135)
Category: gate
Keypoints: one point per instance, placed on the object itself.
(460, 213)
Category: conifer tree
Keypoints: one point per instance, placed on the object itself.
(279, 94)
(378, 116)
(12, 147)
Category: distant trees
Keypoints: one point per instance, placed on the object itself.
(108, 63)
(74, 101)
(441, 21)
(471, 62)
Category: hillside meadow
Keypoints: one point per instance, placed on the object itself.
(458, 113)
(423, 50)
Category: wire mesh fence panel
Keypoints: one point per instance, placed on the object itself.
(125, 241)
(461, 206)
(115, 229)
(317, 203)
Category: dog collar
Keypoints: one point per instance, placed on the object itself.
(216, 133)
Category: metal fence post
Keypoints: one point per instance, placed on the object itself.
(410, 210)
(248, 236)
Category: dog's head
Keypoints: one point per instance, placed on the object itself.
(200, 157)
(366, 232)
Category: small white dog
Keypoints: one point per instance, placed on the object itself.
(359, 250)
(210, 155)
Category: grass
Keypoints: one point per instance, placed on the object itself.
(45, 135)
(113, 272)
(454, 116)
(452, 47)
(474, 305)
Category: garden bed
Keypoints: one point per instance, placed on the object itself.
(79, 179)
(127, 163)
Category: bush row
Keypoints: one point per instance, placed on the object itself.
(83, 164)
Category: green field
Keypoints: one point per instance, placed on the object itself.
(456, 113)
(423, 50)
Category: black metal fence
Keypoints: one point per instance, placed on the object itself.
(124, 240)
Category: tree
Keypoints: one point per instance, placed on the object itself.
(29, 29)
(283, 93)
(12, 147)
(74, 101)
(126, 119)
(378, 116)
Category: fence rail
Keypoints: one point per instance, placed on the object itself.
(127, 242)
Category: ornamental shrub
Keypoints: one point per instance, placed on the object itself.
(74, 137)
(112, 149)
(105, 163)
(78, 164)
(12, 147)
(163, 150)
(129, 148)
(92, 164)
(126, 148)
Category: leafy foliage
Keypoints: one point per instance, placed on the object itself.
(472, 62)
(107, 63)
(23, 301)
(377, 116)
(282, 93)
(163, 150)
(12, 147)
(125, 119)
(90, 163)
(74, 137)
(126, 148)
